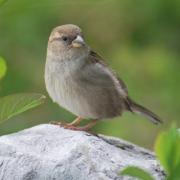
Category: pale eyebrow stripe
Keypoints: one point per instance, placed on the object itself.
(56, 35)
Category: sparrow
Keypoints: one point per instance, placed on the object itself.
(79, 80)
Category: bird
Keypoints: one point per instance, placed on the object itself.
(79, 80)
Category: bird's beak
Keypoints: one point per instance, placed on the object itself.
(78, 42)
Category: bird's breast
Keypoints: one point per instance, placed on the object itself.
(66, 86)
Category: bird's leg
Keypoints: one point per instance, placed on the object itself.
(83, 128)
(58, 123)
(72, 124)
(76, 121)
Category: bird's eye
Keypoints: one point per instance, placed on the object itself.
(64, 38)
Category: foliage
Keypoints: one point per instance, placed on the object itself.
(3, 67)
(15, 104)
(167, 148)
(136, 172)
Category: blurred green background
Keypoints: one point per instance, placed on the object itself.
(139, 39)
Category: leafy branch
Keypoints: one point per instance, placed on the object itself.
(15, 104)
(167, 148)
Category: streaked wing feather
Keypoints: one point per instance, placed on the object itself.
(95, 58)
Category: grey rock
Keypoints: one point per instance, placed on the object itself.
(48, 152)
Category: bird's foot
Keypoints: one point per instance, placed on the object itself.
(66, 125)
(75, 128)
(83, 128)
(63, 124)
(58, 123)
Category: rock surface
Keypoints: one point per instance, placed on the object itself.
(48, 152)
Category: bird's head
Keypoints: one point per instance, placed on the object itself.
(67, 41)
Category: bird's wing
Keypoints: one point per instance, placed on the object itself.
(96, 59)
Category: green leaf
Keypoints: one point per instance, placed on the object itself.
(136, 172)
(167, 148)
(3, 67)
(15, 104)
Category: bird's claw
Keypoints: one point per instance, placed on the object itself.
(71, 127)
(62, 124)
(75, 128)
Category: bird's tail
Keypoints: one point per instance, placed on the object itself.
(138, 109)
